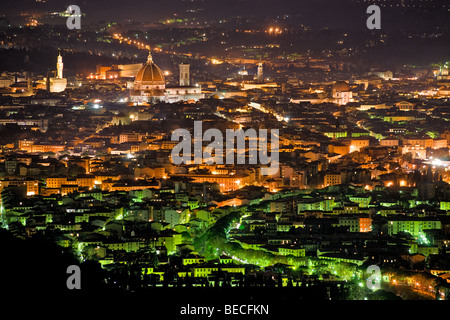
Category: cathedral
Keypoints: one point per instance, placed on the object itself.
(342, 93)
(150, 86)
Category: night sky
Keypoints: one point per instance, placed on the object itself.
(342, 14)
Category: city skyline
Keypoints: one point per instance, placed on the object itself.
(226, 157)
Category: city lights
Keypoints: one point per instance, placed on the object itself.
(199, 152)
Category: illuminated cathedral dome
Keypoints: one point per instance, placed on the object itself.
(341, 86)
(150, 86)
(342, 93)
(150, 77)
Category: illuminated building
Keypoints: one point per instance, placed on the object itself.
(30, 146)
(226, 182)
(443, 73)
(21, 89)
(243, 72)
(399, 118)
(115, 71)
(385, 75)
(150, 86)
(335, 133)
(356, 144)
(440, 143)
(342, 92)
(365, 224)
(193, 259)
(260, 74)
(68, 184)
(405, 105)
(59, 83)
(339, 148)
(315, 205)
(68, 189)
(6, 80)
(337, 258)
(417, 151)
(184, 75)
(262, 86)
(31, 186)
(206, 270)
(354, 223)
(291, 251)
(138, 185)
(414, 226)
(55, 182)
(42, 124)
(42, 148)
(389, 142)
(362, 200)
(149, 83)
(332, 179)
(445, 205)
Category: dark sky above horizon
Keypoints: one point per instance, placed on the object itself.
(331, 13)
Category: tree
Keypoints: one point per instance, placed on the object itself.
(383, 295)
(75, 170)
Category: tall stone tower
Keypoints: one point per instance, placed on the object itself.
(260, 74)
(58, 84)
(29, 84)
(59, 67)
(184, 75)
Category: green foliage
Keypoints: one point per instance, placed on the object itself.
(213, 242)
(383, 295)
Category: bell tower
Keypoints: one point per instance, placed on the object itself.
(260, 74)
(59, 67)
(184, 75)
